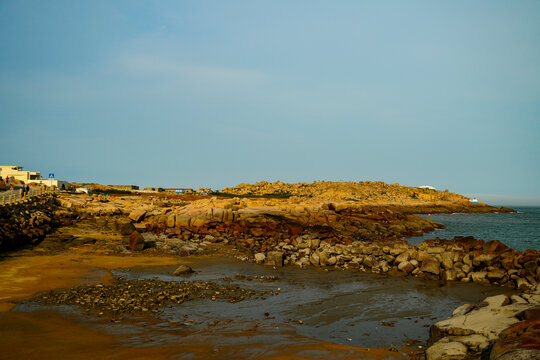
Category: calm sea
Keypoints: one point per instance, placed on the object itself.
(519, 230)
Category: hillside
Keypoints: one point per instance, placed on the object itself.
(368, 192)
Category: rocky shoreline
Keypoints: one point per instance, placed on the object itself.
(340, 235)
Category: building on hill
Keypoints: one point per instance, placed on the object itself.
(125, 187)
(30, 177)
(426, 187)
(153, 189)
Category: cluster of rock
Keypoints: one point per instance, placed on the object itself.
(28, 222)
(499, 328)
(127, 297)
(461, 259)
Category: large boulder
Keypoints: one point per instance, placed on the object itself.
(488, 319)
(323, 258)
(182, 220)
(137, 215)
(405, 256)
(199, 221)
(521, 341)
(136, 241)
(182, 270)
(474, 342)
(447, 259)
(171, 220)
(446, 350)
(314, 259)
(431, 266)
(274, 258)
(125, 227)
(449, 275)
(479, 277)
(495, 275)
(483, 260)
(259, 258)
(406, 267)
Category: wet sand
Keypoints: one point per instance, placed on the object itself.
(341, 313)
(23, 277)
(47, 335)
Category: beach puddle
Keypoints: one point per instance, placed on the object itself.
(341, 307)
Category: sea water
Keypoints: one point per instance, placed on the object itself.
(520, 230)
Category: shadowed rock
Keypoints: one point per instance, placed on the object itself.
(136, 241)
(182, 270)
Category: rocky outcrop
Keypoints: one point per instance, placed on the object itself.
(500, 327)
(365, 192)
(253, 222)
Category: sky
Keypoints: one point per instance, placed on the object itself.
(216, 93)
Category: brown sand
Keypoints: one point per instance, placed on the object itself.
(23, 277)
(46, 335)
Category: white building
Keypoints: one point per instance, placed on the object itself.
(426, 187)
(17, 173)
(30, 177)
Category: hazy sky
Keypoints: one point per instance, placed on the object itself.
(214, 93)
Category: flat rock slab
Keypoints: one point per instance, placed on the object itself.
(489, 319)
(137, 215)
(443, 350)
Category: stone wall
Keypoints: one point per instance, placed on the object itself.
(28, 222)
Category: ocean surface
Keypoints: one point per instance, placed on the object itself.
(519, 230)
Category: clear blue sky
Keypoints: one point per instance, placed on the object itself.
(214, 93)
